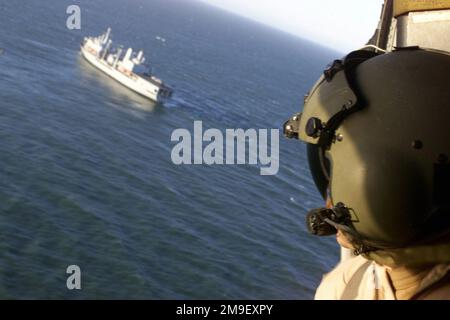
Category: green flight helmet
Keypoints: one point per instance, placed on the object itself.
(377, 129)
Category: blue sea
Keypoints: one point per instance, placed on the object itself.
(86, 176)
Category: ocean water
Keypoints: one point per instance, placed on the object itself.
(86, 176)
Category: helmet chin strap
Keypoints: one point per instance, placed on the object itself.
(411, 256)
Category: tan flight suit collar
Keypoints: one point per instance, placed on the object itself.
(413, 271)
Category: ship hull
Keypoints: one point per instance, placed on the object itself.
(132, 81)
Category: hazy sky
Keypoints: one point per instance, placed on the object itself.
(341, 24)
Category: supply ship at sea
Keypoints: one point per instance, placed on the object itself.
(125, 69)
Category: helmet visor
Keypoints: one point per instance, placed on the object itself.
(320, 168)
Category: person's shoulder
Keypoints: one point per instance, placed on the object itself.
(346, 269)
(334, 283)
